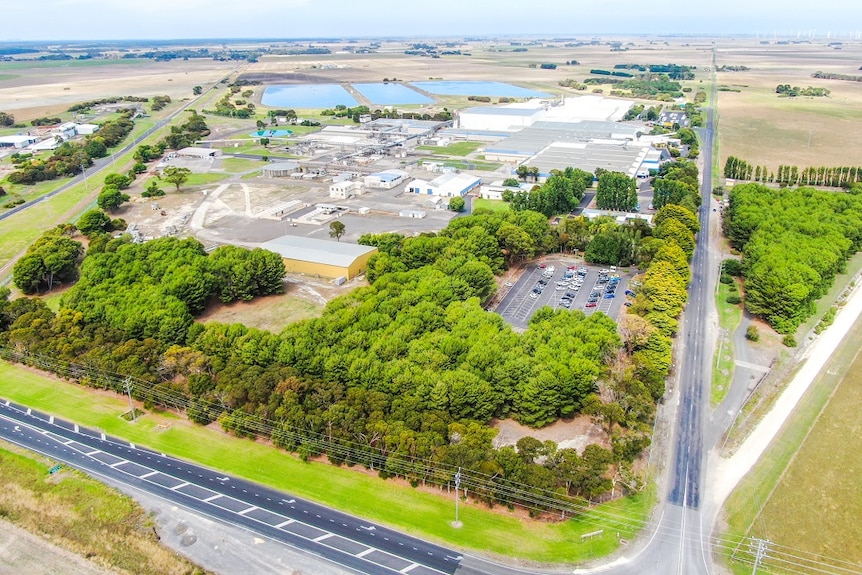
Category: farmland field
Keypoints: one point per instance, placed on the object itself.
(804, 493)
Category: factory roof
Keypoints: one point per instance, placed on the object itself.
(325, 252)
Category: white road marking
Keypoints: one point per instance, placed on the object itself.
(29, 411)
(283, 523)
(409, 568)
(212, 497)
(366, 552)
(94, 452)
(51, 420)
(150, 474)
(180, 486)
(322, 537)
(76, 428)
(249, 510)
(121, 462)
(103, 437)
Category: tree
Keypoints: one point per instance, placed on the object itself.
(118, 181)
(616, 191)
(457, 204)
(176, 176)
(111, 198)
(94, 221)
(264, 142)
(511, 182)
(336, 230)
(6, 119)
(197, 90)
(95, 148)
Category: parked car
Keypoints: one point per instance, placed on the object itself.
(566, 303)
(591, 304)
(570, 294)
(609, 296)
(630, 293)
(628, 304)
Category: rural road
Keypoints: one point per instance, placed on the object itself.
(350, 542)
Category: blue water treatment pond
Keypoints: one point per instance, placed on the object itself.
(391, 93)
(307, 96)
(477, 88)
(271, 134)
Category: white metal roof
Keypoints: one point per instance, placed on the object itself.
(325, 252)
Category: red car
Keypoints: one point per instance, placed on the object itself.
(541, 266)
(590, 304)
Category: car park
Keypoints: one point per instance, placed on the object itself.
(543, 282)
(566, 303)
(571, 294)
(595, 294)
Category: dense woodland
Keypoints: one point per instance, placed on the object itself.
(793, 243)
(401, 376)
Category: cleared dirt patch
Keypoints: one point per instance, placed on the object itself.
(271, 313)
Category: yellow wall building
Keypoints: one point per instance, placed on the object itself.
(324, 258)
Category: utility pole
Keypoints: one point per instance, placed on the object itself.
(759, 547)
(128, 387)
(84, 172)
(457, 495)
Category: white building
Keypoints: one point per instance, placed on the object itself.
(345, 189)
(499, 118)
(385, 180)
(448, 185)
(494, 190)
(86, 129)
(51, 143)
(281, 170)
(67, 130)
(16, 141)
(200, 153)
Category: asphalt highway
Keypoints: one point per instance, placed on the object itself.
(345, 540)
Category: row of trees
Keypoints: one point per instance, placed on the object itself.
(844, 176)
(616, 191)
(793, 243)
(794, 91)
(677, 183)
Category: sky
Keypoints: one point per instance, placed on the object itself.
(168, 19)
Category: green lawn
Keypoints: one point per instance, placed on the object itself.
(424, 513)
(456, 149)
(7, 76)
(495, 205)
(468, 165)
(804, 492)
(729, 317)
(237, 165)
(203, 179)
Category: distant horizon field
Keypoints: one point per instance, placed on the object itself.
(758, 126)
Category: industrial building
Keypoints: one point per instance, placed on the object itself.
(18, 141)
(323, 258)
(613, 157)
(385, 180)
(448, 185)
(345, 189)
(280, 169)
(200, 153)
(494, 190)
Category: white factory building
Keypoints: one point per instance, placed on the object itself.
(385, 180)
(448, 185)
(345, 189)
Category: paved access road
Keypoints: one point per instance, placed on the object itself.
(348, 541)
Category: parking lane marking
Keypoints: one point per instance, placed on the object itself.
(366, 552)
(146, 475)
(212, 498)
(180, 486)
(322, 537)
(283, 523)
(249, 510)
(409, 568)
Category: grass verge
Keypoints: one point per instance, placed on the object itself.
(494, 205)
(803, 494)
(82, 515)
(456, 149)
(729, 316)
(426, 513)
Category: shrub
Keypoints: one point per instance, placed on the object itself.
(725, 279)
(733, 299)
(752, 334)
(732, 267)
(789, 341)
